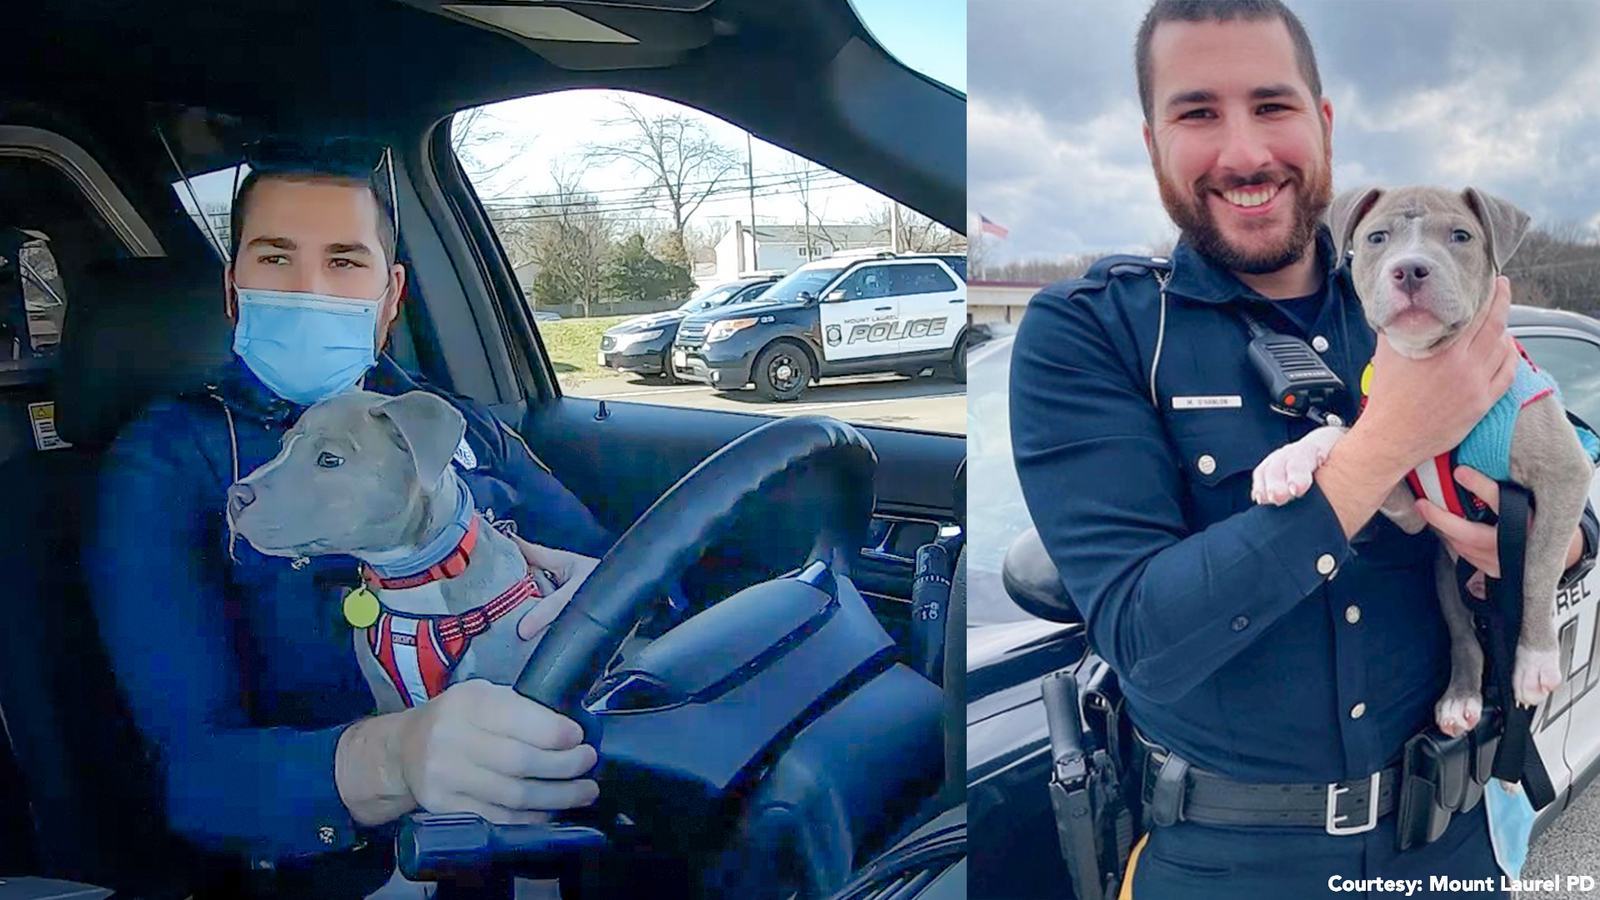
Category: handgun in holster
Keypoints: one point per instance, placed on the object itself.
(1093, 821)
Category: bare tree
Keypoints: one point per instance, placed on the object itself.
(1557, 266)
(684, 163)
(473, 134)
(703, 239)
(568, 237)
(918, 233)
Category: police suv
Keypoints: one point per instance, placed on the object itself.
(843, 315)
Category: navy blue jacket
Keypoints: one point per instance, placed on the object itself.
(241, 672)
(1256, 641)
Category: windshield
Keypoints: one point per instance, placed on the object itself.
(993, 524)
(706, 299)
(808, 281)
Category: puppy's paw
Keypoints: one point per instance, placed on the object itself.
(1285, 474)
(1536, 674)
(1458, 712)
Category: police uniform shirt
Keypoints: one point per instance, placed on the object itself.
(1255, 641)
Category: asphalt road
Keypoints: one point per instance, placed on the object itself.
(1570, 847)
(930, 403)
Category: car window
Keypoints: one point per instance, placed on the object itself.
(1003, 515)
(714, 297)
(214, 192)
(865, 283)
(750, 293)
(927, 36)
(34, 300)
(47, 227)
(600, 228)
(1575, 365)
(922, 278)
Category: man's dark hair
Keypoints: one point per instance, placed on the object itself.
(308, 168)
(1221, 11)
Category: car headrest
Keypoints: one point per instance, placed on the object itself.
(136, 329)
(1033, 583)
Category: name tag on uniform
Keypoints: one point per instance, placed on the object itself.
(1218, 401)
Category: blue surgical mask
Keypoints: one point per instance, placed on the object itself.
(1510, 825)
(306, 347)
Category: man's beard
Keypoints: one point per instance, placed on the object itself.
(1192, 214)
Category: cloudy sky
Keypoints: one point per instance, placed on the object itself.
(1502, 95)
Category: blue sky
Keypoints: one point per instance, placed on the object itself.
(927, 35)
(1494, 94)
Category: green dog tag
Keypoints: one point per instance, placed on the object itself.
(360, 607)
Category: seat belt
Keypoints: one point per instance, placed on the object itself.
(1498, 617)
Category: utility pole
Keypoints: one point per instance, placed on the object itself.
(894, 226)
(750, 180)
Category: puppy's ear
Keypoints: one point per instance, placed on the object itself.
(1504, 224)
(1346, 213)
(430, 429)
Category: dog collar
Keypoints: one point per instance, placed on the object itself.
(453, 564)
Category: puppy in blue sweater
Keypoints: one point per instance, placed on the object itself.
(1425, 262)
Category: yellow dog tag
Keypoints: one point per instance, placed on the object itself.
(360, 607)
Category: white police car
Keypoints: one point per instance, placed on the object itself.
(844, 315)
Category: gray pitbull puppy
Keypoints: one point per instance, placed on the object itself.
(1425, 264)
(369, 476)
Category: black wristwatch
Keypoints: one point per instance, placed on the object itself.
(1590, 526)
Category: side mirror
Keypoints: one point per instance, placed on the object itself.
(806, 297)
(835, 296)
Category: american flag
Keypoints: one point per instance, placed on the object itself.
(988, 226)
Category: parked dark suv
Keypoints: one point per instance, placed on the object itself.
(643, 344)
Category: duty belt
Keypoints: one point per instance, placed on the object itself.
(1175, 791)
(1438, 777)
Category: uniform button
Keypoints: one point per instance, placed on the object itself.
(1206, 464)
(326, 835)
(1325, 564)
(1357, 711)
(1240, 623)
(1319, 344)
(1352, 614)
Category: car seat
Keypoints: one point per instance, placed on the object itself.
(136, 328)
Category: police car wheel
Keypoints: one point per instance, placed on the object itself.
(958, 363)
(782, 372)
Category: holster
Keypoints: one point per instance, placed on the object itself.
(1442, 776)
(1093, 823)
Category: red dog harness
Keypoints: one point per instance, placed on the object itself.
(418, 653)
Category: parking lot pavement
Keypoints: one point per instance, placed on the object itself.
(932, 403)
(1570, 847)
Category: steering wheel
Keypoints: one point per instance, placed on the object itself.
(832, 466)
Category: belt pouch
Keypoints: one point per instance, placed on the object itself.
(1424, 810)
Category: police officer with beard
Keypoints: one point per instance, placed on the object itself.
(1275, 660)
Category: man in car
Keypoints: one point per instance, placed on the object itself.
(239, 667)
(1284, 654)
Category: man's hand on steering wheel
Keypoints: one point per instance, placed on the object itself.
(482, 748)
(566, 571)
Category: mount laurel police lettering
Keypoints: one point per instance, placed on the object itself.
(896, 329)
